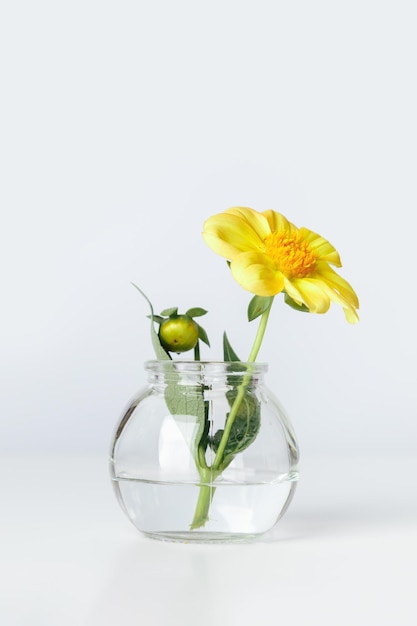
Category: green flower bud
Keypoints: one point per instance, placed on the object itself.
(178, 333)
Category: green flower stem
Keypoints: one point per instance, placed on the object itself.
(201, 456)
(202, 507)
(206, 493)
(209, 474)
(260, 334)
(205, 497)
(241, 392)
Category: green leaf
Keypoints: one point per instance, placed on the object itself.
(156, 318)
(294, 305)
(244, 429)
(196, 312)
(159, 350)
(202, 334)
(169, 312)
(258, 305)
(228, 353)
(187, 405)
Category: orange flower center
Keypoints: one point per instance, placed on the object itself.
(291, 254)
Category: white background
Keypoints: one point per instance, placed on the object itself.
(124, 125)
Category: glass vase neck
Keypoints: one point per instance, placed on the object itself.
(205, 370)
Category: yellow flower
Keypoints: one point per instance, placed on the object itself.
(268, 255)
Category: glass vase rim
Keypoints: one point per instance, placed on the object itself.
(204, 364)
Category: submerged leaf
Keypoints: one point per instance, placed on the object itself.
(186, 404)
(245, 426)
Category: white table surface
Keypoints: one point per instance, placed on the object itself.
(344, 554)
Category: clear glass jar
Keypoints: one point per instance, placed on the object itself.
(204, 453)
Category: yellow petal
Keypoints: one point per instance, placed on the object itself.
(321, 247)
(293, 292)
(338, 284)
(257, 273)
(229, 235)
(335, 295)
(348, 309)
(351, 316)
(278, 223)
(255, 220)
(312, 295)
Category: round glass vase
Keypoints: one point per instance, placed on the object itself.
(204, 453)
